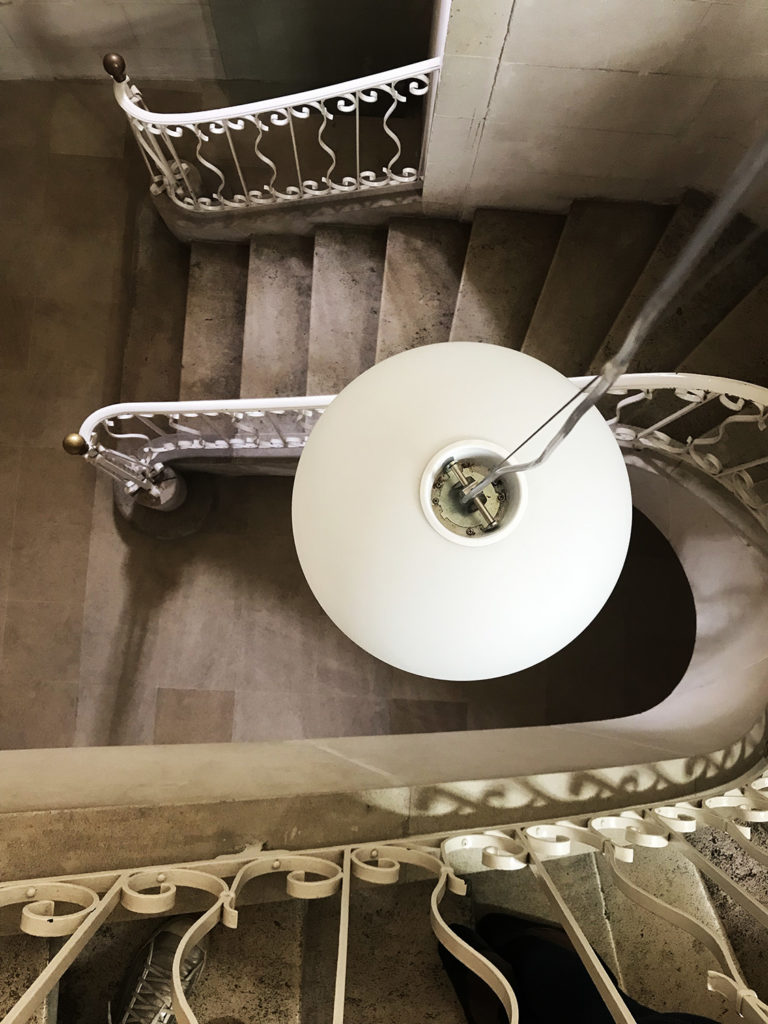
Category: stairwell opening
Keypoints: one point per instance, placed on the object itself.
(279, 669)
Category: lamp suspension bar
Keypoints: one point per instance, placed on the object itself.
(749, 169)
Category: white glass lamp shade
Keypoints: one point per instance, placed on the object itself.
(387, 571)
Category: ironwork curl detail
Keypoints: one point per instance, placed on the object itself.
(322, 874)
(189, 158)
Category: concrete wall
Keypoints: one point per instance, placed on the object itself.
(277, 47)
(542, 101)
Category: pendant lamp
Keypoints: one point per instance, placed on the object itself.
(440, 587)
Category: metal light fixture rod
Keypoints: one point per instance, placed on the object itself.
(749, 169)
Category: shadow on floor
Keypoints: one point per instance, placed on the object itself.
(217, 637)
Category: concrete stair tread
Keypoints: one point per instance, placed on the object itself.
(213, 331)
(736, 346)
(276, 336)
(686, 216)
(422, 273)
(346, 295)
(155, 335)
(602, 250)
(735, 264)
(507, 261)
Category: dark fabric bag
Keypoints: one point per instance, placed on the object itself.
(550, 981)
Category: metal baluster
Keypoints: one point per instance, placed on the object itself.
(295, 152)
(178, 165)
(357, 139)
(675, 416)
(237, 163)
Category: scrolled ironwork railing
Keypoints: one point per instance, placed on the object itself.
(714, 425)
(358, 136)
(75, 908)
(136, 443)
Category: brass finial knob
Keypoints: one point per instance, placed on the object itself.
(75, 444)
(114, 65)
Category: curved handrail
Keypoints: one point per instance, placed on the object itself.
(126, 95)
(693, 381)
(649, 829)
(251, 155)
(161, 432)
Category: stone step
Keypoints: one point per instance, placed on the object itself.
(346, 295)
(276, 336)
(602, 250)
(733, 267)
(22, 959)
(575, 877)
(686, 216)
(155, 333)
(213, 330)
(422, 273)
(507, 261)
(663, 966)
(736, 346)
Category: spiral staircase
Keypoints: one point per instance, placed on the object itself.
(293, 315)
(299, 315)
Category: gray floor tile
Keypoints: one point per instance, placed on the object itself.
(23, 175)
(38, 409)
(41, 643)
(86, 121)
(271, 715)
(72, 336)
(54, 488)
(406, 716)
(37, 714)
(25, 114)
(17, 309)
(84, 274)
(49, 561)
(194, 716)
(9, 475)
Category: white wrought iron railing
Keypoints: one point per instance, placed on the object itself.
(76, 907)
(358, 136)
(136, 443)
(714, 425)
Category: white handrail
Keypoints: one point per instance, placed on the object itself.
(631, 845)
(124, 410)
(693, 381)
(304, 145)
(162, 432)
(125, 91)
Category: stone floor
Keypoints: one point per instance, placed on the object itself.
(110, 637)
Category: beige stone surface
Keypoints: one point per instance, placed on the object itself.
(507, 261)
(347, 272)
(519, 892)
(662, 966)
(615, 34)
(736, 345)
(277, 313)
(22, 958)
(600, 102)
(601, 252)
(215, 316)
(253, 973)
(394, 971)
(421, 281)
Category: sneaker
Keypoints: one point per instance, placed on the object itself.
(146, 990)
